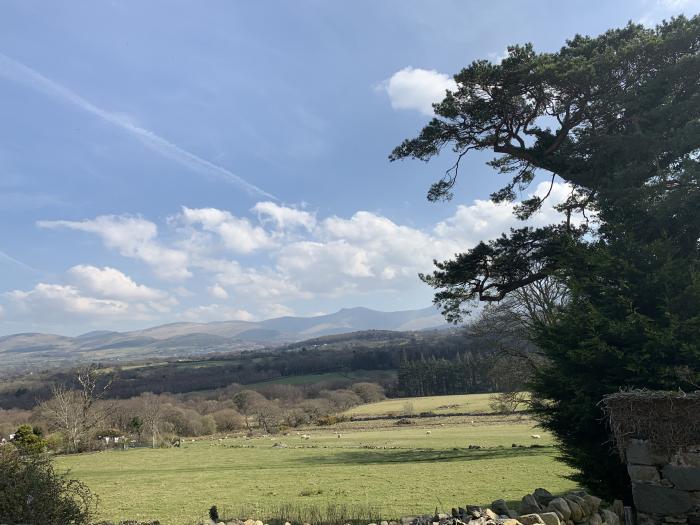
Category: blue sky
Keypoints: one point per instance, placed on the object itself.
(187, 160)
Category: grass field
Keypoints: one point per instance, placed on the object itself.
(477, 403)
(398, 469)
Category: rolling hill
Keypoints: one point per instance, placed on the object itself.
(21, 351)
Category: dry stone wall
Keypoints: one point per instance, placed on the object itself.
(665, 486)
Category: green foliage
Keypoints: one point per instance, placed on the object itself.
(617, 117)
(29, 441)
(32, 492)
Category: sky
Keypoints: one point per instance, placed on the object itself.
(170, 161)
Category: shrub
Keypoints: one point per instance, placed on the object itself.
(32, 492)
(28, 441)
(228, 419)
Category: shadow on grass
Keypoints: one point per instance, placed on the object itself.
(388, 456)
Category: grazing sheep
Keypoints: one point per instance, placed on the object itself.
(305, 436)
(535, 436)
(340, 435)
(428, 433)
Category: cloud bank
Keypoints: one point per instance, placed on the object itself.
(214, 264)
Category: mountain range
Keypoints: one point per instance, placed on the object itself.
(21, 351)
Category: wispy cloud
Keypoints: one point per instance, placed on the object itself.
(18, 72)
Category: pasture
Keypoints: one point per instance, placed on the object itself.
(395, 469)
(471, 403)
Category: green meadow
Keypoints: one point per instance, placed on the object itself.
(395, 469)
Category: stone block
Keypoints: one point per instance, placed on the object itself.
(577, 513)
(593, 503)
(610, 517)
(530, 519)
(560, 505)
(550, 518)
(655, 499)
(687, 458)
(488, 513)
(542, 496)
(529, 505)
(595, 519)
(643, 473)
(684, 478)
(510, 521)
(500, 507)
(641, 452)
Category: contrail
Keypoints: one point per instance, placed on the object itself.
(19, 263)
(18, 72)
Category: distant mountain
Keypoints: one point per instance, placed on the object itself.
(190, 339)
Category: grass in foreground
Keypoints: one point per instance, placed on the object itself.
(394, 470)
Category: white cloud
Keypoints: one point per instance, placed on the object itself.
(276, 310)
(92, 293)
(417, 89)
(59, 301)
(284, 217)
(237, 234)
(218, 291)
(288, 256)
(215, 312)
(109, 282)
(132, 237)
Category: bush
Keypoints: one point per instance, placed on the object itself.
(228, 419)
(29, 441)
(32, 492)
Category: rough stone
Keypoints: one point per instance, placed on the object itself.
(684, 478)
(408, 520)
(687, 458)
(500, 507)
(490, 514)
(641, 452)
(645, 473)
(610, 517)
(675, 519)
(510, 521)
(573, 496)
(383, 523)
(560, 505)
(595, 519)
(529, 505)
(530, 519)
(542, 496)
(550, 518)
(249, 522)
(576, 510)
(593, 503)
(660, 500)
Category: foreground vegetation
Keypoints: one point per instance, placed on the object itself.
(393, 469)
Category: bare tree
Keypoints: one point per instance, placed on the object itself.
(152, 415)
(509, 326)
(76, 413)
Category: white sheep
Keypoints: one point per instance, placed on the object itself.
(535, 436)
(428, 433)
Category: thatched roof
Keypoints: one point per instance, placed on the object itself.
(670, 420)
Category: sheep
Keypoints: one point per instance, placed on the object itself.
(305, 436)
(535, 436)
(428, 433)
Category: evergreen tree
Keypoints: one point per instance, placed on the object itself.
(616, 117)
